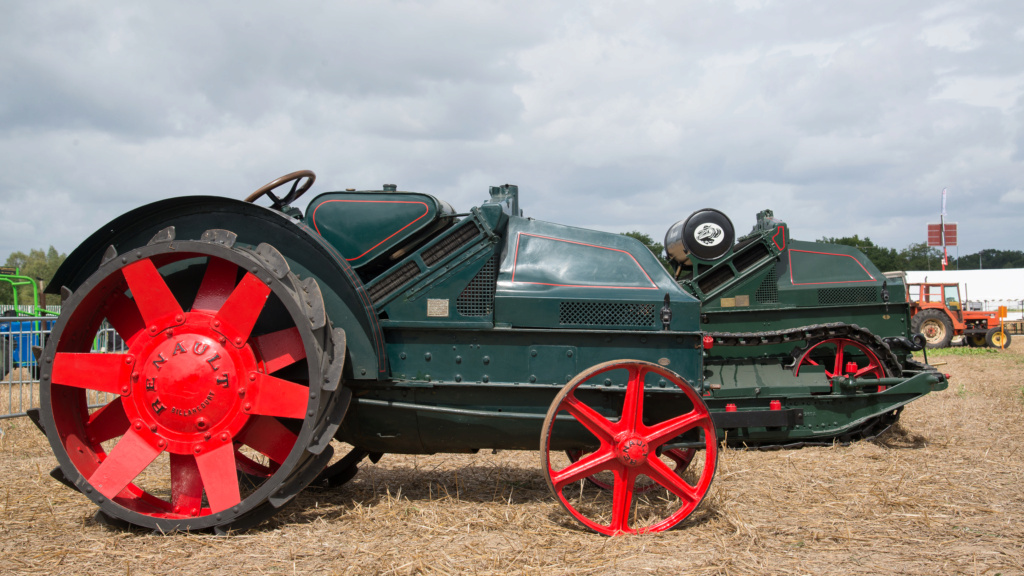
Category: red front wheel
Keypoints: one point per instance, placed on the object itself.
(632, 439)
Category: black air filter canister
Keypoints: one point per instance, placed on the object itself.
(707, 234)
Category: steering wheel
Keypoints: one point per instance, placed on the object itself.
(293, 194)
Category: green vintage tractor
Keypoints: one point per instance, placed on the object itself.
(268, 349)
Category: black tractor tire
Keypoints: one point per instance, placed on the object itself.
(936, 327)
(997, 338)
(976, 340)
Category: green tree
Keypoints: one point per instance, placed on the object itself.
(920, 256)
(655, 247)
(38, 265)
(988, 259)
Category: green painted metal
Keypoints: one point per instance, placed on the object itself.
(374, 228)
(461, 329)
(14, 280)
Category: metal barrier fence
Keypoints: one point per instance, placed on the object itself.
(19, 370)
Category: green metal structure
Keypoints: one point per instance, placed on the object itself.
(259, 340)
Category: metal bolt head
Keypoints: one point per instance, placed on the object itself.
(201, 423)
(125, 390)
(138, 425)
(161, 443)
(247, 407)
(198, 449)
(241, 392)
(224, 437)
(216, 323)
(252, 376)
(129, 359)
(179, 318)
(238, 341)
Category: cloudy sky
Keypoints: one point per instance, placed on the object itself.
(844, 117)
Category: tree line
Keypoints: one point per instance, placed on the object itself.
(37, 265)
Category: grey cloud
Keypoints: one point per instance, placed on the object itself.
(846, 118)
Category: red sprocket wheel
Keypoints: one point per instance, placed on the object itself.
(629, 437)
(221, 374)
(842, 357)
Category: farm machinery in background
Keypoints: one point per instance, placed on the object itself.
(939, 313)
(271, 348)
(20, 331)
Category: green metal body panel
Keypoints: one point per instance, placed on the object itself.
(555, 276)
(373, 227)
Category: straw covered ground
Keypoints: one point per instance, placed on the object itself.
(942, 495)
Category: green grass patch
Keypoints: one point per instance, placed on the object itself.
(958, 351)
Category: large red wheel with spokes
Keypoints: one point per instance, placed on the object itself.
(842, 357)
(632, 436)
(215, 412)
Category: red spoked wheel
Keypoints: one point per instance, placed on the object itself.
(842, 357)
(221, 374)
(679, 457)
(634, 439)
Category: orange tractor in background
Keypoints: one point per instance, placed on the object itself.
(938, 313)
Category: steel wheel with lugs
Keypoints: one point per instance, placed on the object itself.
(217, 408)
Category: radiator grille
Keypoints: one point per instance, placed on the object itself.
(392, 282)
(477, 299)
(708, 283)
(827, 296)
(606, 314)
(457, 239)
(768, 291)
(751, 256)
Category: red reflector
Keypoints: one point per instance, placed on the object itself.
(947, 376)
(775, 405)
(851, 368)
(730, 407)
(708, 342)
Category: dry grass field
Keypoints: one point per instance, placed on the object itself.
(942, 495)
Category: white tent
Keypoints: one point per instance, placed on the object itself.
(993, 288)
